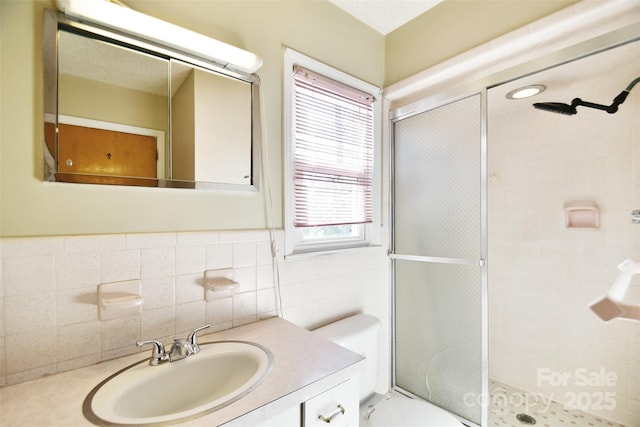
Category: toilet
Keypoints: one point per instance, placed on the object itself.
(359, 334)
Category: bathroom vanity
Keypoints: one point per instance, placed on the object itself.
(311, 378)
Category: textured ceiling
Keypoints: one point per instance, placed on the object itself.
(91, 59)
(385, 15)
(94, 60)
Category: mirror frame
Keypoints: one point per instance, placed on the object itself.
(54, 21)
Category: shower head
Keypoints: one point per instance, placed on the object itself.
(569, 110)
(556, 107)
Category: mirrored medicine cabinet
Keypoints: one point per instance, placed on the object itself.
(124, 111)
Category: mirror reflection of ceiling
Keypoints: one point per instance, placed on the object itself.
(179, 72)
(92, 59)
(574, 79)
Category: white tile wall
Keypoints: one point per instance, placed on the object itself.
(48, 312)
(542, 277)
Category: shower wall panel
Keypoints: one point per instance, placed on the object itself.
(543, 276)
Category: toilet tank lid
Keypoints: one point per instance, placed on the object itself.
(348, 326)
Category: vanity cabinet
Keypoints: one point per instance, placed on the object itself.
(338, 406)
(289, 418)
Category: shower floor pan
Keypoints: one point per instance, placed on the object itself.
(513, 407)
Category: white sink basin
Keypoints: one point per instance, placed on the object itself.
(221, 373)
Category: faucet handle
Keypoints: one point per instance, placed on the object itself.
(193, 339)
(158, 354)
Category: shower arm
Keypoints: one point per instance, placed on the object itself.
(608, 108)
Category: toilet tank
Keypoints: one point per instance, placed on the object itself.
(360, 334)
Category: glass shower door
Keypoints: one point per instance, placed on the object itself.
(439, 252)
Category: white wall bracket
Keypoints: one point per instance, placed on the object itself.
(119, 299)
(219, 284)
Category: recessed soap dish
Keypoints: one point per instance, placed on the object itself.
(581, 215)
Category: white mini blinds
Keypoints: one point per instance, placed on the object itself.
(333, 152)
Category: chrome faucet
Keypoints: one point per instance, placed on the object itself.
(180, 349)
(158, 354)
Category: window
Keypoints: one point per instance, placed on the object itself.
(331, 163)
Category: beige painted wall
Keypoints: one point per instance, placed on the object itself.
(183, 129)
(223, 129)
(316, 28)
(211, 140)
(455, 26)
(111, 103)
(30, 206)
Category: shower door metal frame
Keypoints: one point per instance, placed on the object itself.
(405, 113)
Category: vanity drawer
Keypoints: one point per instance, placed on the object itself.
(338, 406)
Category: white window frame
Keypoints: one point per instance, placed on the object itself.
(367, 234)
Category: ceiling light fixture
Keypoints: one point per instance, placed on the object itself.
(122, 18)
(525, 92)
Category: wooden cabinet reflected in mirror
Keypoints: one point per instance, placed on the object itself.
(100, 156)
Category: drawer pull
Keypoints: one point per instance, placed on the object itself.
(333, 416)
